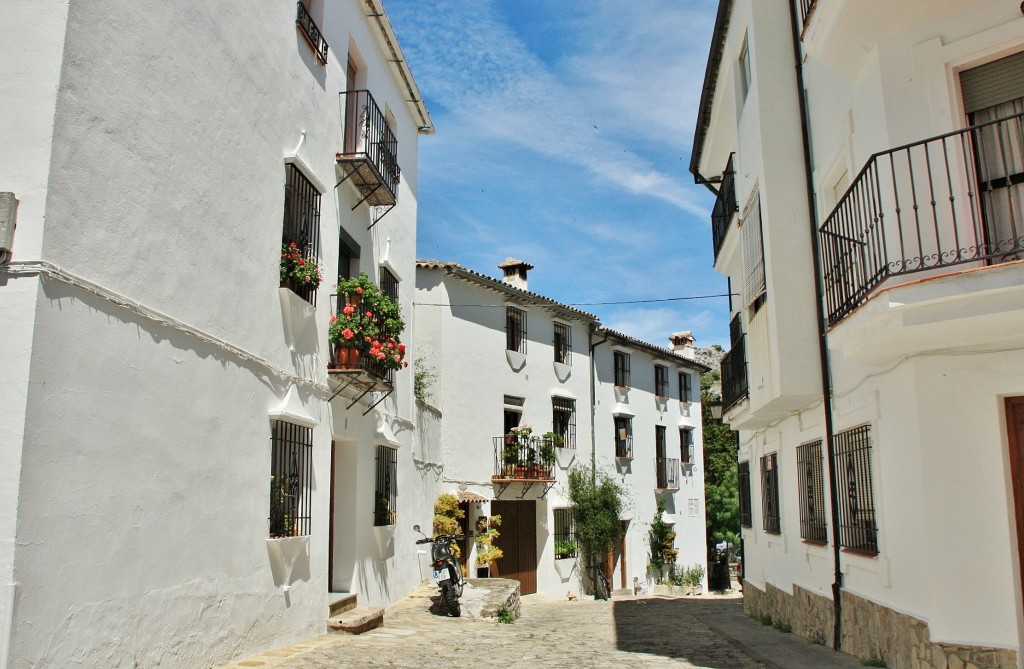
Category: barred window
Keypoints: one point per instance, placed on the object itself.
(770, 493)
(291, 477)
(301, 225)
(686, 445)
(389, 284)
(753, 253)
(685, 394)
(667, 473)
(621, 369)
(563, 420)
(386, 490)
(661, 380)
(858, 529)
(623, 437)
(812, 492)
(744, 489)
(564, 535)
(515, 329)
(563, 343)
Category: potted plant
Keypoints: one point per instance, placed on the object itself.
(565, 548)
(486, 533)
(298, 271)
(369, 324)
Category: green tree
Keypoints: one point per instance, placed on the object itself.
(721, 475)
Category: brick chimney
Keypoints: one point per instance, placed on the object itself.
(515, 272)
(682, 343)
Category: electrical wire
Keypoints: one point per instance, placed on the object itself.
(586, 304)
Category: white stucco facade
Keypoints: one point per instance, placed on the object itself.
(148, 348)
(461, 335)
(923, 363)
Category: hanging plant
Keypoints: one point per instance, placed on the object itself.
(486, 533)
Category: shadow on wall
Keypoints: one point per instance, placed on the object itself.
(289, 562)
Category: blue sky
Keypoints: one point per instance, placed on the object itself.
(563, 139)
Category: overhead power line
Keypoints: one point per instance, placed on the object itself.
(635, 301)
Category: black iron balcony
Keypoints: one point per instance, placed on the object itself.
(524, 458)
(725, 207)
(941, 202)
(806, 10)
(312, 33)
(370, 154)
(734, 374)
(668, 473)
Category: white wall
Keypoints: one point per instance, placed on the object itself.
(144, 449)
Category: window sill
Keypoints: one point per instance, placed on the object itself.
(861, 553)
(516, 360)
(814, 542)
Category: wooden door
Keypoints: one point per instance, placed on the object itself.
(1015, 434)
(518, 542)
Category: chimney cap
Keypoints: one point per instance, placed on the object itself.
(511, 262)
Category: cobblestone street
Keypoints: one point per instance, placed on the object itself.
(624, 633)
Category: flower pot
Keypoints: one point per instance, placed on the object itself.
(346, 357)
(355, 299)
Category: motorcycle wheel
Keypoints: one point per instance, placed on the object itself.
(451, 601)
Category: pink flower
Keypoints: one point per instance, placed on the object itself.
(359, 289)
(347, 333)
(349, 310)
(369, 314)
(333, 319)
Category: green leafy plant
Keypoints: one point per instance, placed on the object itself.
(486, 534)
(369, 321)
(662, 541)
(597, 500)
(505, 615)
(423, 380)
(565, 548)
(692, 576)
(295, 267)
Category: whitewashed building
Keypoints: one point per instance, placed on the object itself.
(504, 357)
(867, 162)
(648, 431)
(181, 482)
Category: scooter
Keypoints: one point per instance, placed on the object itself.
(447, 573)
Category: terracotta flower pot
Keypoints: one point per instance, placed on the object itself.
(346, 357)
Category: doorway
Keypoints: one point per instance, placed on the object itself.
(518, 542)
(1015, 439)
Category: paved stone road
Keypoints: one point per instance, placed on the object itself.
(623, 633)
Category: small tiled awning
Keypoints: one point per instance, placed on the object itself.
(467, 496)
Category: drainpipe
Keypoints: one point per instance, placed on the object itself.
(593, 399)
(826, 371)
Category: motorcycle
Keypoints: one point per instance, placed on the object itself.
(447, 573)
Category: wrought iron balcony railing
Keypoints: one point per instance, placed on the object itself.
(806, 10)
(371, 371)
(370, 153)
(949, 200)
(524, 458)
(725, 208)
(312, 33)
(668, 473)
(734, 374)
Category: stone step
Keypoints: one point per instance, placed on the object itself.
(342, 602)
(358, 620)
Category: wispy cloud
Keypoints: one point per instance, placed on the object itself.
(471, 63)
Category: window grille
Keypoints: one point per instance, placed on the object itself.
(563, 420)
(301, 223)
(661, 380)
(565, 534)
(389, 284)
(386, 490)
(563, 343)
(686, 444)
(770, 493)
(515, 329)
(746, 519)
(753, 252)
(694, 506)
(746, 76)
(684, 387)
(811, 479)
(621, 369)
(291, 476)
(856, 499)
(623, 437)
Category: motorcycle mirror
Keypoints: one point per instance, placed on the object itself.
(415, 528)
